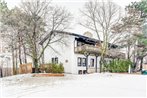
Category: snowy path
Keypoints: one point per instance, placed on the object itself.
(92, 85)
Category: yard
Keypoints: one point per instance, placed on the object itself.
(90, 85)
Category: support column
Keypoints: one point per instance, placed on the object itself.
(86, 63)
(96, 63)
(86, 54)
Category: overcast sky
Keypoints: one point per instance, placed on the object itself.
(73, 6)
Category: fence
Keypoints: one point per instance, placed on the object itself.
(25, 68)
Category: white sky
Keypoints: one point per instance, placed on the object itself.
(73, 6)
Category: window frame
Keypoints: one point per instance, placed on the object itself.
(79, 62)
(84, 63)
(55, 60)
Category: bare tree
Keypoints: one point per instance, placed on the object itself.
(13, 28)
(99, 17)
(39, 19)
(31, 22)
(131, 26)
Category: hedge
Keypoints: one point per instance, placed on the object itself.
(117, 66)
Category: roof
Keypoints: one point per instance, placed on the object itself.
(82, 37)
(68, 33)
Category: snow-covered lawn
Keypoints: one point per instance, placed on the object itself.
(90, 85)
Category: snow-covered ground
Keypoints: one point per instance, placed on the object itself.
(90, 85)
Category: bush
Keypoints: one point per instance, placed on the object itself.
(118, 66)
(52, 68)
(61, 68)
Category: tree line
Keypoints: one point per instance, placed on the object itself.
(25, 25)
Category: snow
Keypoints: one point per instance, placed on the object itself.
(90, 85)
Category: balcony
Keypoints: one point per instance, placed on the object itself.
(113, 53)
(87, 48)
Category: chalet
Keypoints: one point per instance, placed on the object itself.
(79, 54)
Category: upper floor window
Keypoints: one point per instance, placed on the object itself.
(79, 43)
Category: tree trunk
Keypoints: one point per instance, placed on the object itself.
(35, 59)
(141, 63)
(13, 61)
(20, 60)
(24, 51)
(35, 62)
(101, 63)
(128, 53)
(16, 69)
(42, 56)
(25, 55)
(19, 48)
(1, 71)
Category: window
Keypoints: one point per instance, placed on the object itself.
(79, 71)
(84, 71)
(79, 43)
(81, 61)
(84, 61)
(55, 60)
(92, 62)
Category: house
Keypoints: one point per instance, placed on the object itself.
(79, 54)
(5, 58)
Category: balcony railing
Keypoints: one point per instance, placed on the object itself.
(113, 53)
(87, 48)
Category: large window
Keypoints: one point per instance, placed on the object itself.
(81, 61)
(92, 62)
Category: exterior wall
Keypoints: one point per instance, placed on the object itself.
(64, 53)
(91, 69)
(68, 57)
(76, 68)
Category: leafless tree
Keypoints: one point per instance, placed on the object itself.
(39, 19)
(130, 25)
(99, 17)
(30, 22)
